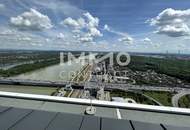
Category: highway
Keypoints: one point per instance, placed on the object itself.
(37, 82)
(90, 85)
(96, 85)
(175, 98)
(109, 86)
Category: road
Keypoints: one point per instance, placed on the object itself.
(157, 102)
(133, 87)
(94, 85)
(175, 98)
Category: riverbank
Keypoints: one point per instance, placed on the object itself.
(20, 69)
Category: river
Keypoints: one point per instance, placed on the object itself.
(59, 72)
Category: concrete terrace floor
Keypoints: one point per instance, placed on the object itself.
(136, 115)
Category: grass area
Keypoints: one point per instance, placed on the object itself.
(28, 89)
(162, 97)
(136, 96)
(184, 101)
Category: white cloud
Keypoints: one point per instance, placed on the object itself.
(85, 28)
(91, 21)
(95, 32)
(76, 24)
(24, 39)
(171, 22)
(147, 40)
(70, 22)
(86, 39)
(126, 39)
(32, 20)
(106, 27)
(6, 32)
(76, 31)
(60, 36)
(13, 38)
(149, 44)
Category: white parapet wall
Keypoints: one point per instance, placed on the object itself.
(109, 104)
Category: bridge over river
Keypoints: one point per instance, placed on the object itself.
(89, 85)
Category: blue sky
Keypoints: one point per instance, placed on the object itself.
(111, 25)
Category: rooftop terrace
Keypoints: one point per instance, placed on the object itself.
(23, 111)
